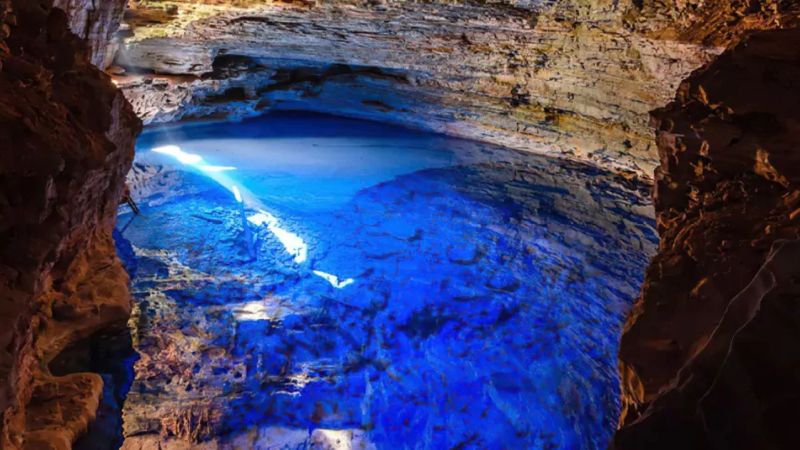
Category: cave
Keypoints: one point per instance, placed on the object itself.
(385, 224)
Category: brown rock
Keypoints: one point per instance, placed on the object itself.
(66, 143)
(97, 22)
(713, 337)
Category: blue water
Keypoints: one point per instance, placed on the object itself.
(319, 279)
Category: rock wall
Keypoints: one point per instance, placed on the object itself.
(710, 354)
(97, 22)
(562, 77)
(66, 143)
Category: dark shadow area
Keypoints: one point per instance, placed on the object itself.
(109, 353)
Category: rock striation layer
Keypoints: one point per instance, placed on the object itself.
(710, 352)
(96, 22)
(565, 77)
(66, 143)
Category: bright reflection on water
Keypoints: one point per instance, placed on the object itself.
(303, 279)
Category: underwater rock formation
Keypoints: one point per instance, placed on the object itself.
(474, 295)
(710, 354)
(67, 139)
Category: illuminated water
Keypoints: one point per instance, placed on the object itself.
(390, 289)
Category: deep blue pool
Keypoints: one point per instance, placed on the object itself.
(305, 279)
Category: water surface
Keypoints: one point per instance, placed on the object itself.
(304, 279)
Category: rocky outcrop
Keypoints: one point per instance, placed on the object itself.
(566, 77)
(710, 352)
(97, 22)
(66, 143)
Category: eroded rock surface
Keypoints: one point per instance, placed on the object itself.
(552, 79)
(66, 143)
(568, 78)
(710, 354)
(97, 23)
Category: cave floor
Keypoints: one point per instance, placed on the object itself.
(304, 279)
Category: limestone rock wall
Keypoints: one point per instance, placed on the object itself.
(567, 78)
(563, 77)
(710, 354)
(66, 143)
(96, 21)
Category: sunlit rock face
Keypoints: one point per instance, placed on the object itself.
(390, 290)
(66, 135)
(97, 23)
(568, 78)
(710, 350)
